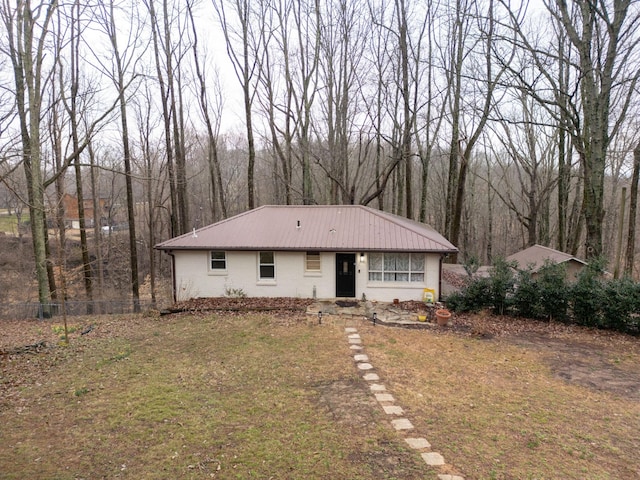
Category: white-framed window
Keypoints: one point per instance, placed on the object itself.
(312, 262)
(396, 267)
(217, 260)
(267, 266)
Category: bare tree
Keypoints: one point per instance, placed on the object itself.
(307, 22)
(212, 122)
(243, 48)
(633, 211)
(528, 147)
(344, 27)
(432, 116)
(604, 37)
(278, 103)
(151, 179)
(166, 115)
(72, 105)
(487, 78)
(122, 63)
(173, 54)
(27, 30)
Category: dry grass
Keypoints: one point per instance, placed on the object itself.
(265, 396)
(498, 409)
(231, 397)
(9, 223)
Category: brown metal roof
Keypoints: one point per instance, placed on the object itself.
(318, 227)
(537, 254)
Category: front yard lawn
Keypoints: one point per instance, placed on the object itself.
(239, 396)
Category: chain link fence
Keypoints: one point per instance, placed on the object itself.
(41, 311)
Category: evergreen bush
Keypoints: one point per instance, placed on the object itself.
(526, 298)
(590, 301)
(502, 283)
(587, 296)
(620, 301)
(553, 291)
(473, 297)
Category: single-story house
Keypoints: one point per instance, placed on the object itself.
(328, 251)
(536, 255)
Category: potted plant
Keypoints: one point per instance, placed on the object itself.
(442, 316)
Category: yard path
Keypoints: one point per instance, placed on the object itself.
(395, 412)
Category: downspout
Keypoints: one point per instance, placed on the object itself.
(440, 277)
(173, 274)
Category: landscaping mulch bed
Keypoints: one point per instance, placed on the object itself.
(244, 304)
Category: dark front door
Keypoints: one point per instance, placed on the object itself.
(345, 274)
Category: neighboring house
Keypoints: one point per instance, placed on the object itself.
(72, 212)
(536, 256)
(327, 251)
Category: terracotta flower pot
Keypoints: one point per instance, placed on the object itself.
(442, 316)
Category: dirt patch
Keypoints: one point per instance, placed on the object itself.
(354, 407)
(599, 359)
(590, 363)
(348, 403)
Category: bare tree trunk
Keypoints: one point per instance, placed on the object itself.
(407, 120)
(488, 36)
(623, 199)
(121, 88)
(282, 120)
(309, 57)
(564, 160)
(215, 175)
(426, 145)
(55, 133)
(26, 53)
(599, 75)
(454, 80)
(175, 107)
(72, 110)
(633, 208)
(97, 231)
(576, 218)
(490, 221)
(166, 116)
(143, 117)
(245, 66)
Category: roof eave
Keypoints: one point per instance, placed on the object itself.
(301, 249)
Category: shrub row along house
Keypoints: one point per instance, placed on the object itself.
(329, 251)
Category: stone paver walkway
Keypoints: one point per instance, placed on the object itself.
(386, 400)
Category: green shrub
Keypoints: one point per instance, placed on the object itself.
(475, 296)
(553, 291)
(526, 298)
(591, 300)
(471, 265)
(502, 281)
(621, 299)
(234, 293)
(587, 296)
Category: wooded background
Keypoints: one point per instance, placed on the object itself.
(502, 124)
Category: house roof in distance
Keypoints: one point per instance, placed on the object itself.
(316, 228)
(537, 254)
